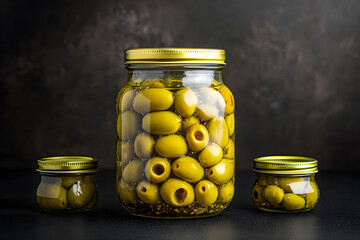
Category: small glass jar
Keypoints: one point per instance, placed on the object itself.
(175, 126)
(67, 184)
(285, 184)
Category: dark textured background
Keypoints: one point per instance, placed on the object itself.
(292, 65)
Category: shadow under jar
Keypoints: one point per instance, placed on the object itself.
(285, 184)
(67, 184)
(175, 127)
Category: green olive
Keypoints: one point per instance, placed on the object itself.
(211, 97)
(206, 112)
(185, 102)
(222, 172)
(81, 193)
(257, 194)
(229, 99)
(230, 121)
(188, 122)
(312, 194)
(293, 202)
(152, 83)
(273, 195)
(172, 146)
(157, 169)
(153, 99)
(133, 171)
(161, 123)
(125, 152)
(67, 182)
(206, 193)
(51, 196)
(92, 202)
(126, 192)
(126, 99)
(177, 193)
(188, 168)
(218, 131)
(229, 150)
(211, 155)
(197, 137)
(226, 193)
(295, 185)
(128, 124)
(144, 145)
(148, 192)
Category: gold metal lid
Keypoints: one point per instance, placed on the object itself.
(68, 164)
(175, 55)
(285, 165)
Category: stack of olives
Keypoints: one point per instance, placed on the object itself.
(175, 149)
(285, 193)
(69, 193)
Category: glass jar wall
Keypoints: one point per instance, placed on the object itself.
(175, 127)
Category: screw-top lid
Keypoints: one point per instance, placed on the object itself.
(285, 165)
(68, 164)
(175, 55)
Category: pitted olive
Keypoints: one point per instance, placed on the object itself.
(312, 194)
(211, 155)
(206, 193)
(229, 150)
(218, 131)
(157, 169)
(197, 137)
(226, 193)
(230, 121)
(229, 99)
(185, 102)
(148, 192)
(128, 124)
(125, 152)
(257, 194)
(293, 202)
(67, 182)
(51, 196)
(80, 194)
(188, 122)
(188, 168)
(222, 172)
(172, 146)
(177, 193)
(126, 192)
(161, 122)
(153, 99)
(273, 195)
(144, 145)
(133, 171)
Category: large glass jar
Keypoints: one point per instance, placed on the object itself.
(67, 184)
(285, 184)
(175, 127)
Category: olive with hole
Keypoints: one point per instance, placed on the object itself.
(161, 123)
(229, 150)
(197, 137)
(172, 146)
(222, 172)
(218, 131)
(206, 193)
(126, 192)
(51, 196)
(188, 168)
(295, 185)
(229, 99)
(67, 182)
(125, 152)
(257, 194)
(230, 121)
(133, 171)
(148, 192)
(128, 124)
(273, 195)
(80, 194)
(226, 192)
(157, 169)
(177, 193)
(144, 145)
(188, 122)
(293, 202)
(312, 195)
(211, 155)
(153, 99)
(185, 102)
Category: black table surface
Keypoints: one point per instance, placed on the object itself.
(337, 215)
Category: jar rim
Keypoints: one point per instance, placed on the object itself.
(67, 164)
